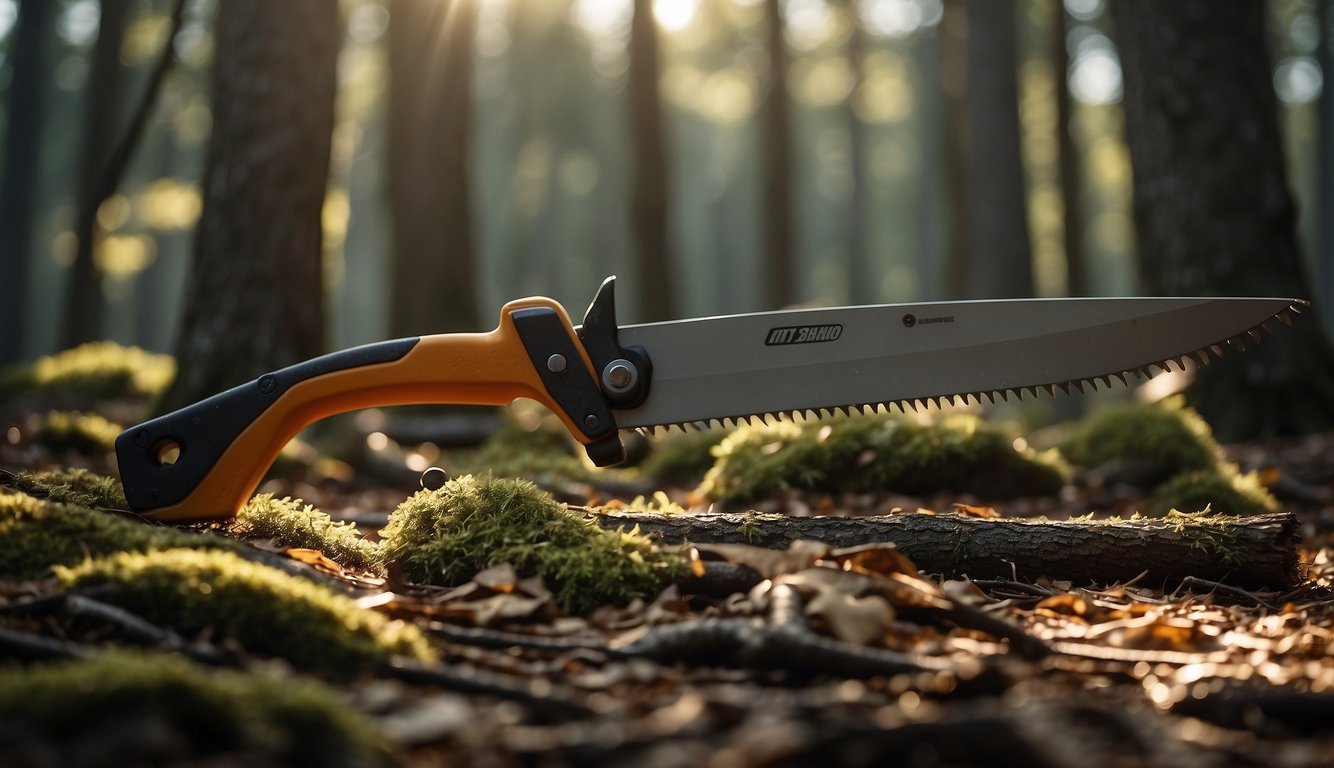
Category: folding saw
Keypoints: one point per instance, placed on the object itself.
(204, 461)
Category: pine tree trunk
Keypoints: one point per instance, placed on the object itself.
(104, 109)
(1213, 213)
(430, 132)
(1000, 262)
(656, 293)
(254, 299)
(31, 71)
(778, 272)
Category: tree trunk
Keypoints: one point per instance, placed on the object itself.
(779, 272)
(1213, 214)
(18, 189)
(862, 285)
(1324, 198)
(104, 107)
(1001, 265)
(1258, 551)
(254, 299)
(656, 293)
(1076, 268)
(954, 160)
(430, 131)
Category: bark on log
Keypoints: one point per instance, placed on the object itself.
(1258, 551)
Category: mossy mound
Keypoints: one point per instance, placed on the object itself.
(682, 459)
(97, 370)
(880, 452)
(72, 486)
(161, 710)
(36, 535)
(1220, 491)
(1164, 438)
(86, 433)
(266, 611)
(474, 522)
(293, 523)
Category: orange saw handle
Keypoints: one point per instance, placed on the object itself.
(204, 461)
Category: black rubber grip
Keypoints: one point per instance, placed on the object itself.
(202, 432)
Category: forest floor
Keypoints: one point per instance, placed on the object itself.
(817, 655)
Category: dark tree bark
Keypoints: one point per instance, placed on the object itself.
(1076, 268)
(779, 270)
(254, 299)
(430, 132)
(18, 188)
(1213, 213)
(1252, 551)
(1001, 264)
(104, 107)
(656, 292)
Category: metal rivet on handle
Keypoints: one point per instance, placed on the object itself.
(591, 421)
(267, 383)
(556, 363)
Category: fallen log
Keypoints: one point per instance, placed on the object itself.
(1258, 551)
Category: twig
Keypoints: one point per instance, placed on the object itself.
(996, 585)
(1215, 587)
(555, 702)
(23, 645)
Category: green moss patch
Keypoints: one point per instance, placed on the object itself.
(86, 433)
(293, 523)
(1221, 491)
(265, 610)
(97, 370)
(1166, 437)
(71, 486)
(474, 522)
(36, 535)
(161, 710)
(877, 453)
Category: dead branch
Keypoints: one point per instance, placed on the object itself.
(1258, 551)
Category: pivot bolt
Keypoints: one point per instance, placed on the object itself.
(556, 363)
(591, 421)
(620, 376)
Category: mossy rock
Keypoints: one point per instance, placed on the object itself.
(1160, 439)
(86, 433)
(71, 486)
(264, 610)
(1221, 491)
(162, 710)
(474, 522)
(682, 459)
(97, 370)
(293, 523)
(36, 535)
(879, 452)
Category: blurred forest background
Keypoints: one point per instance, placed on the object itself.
(718, 155)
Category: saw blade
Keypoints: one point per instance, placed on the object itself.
(738, 367)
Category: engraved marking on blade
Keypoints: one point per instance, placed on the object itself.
(803, 334)
(910, 320)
